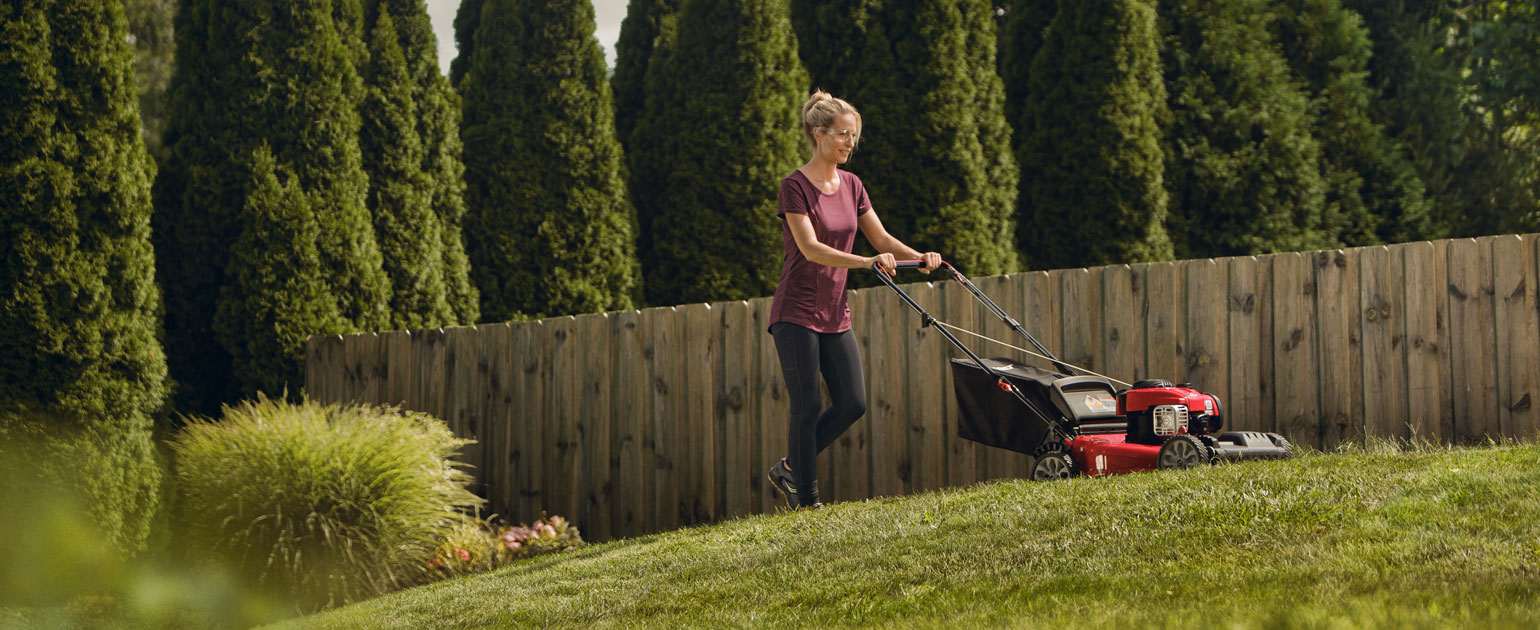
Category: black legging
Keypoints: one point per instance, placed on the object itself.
(804, 353)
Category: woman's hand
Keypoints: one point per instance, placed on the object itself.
(932, 261)
(887, 262)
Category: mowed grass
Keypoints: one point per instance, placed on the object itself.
(1376, 539)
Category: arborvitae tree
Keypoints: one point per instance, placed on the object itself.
(723, 121)
(277, 74)
(467, 22)
(935, 147)
(150, 29)
(1417, 96)
(438, 126)
(1091, 165)
(400, 197)
(551, 231)
(1242, 169)
(645, 20)
(81, 369)
(1372, 193)
(275, 296)
(647, 175)
(1020, 38)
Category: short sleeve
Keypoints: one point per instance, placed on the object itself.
(792, 198)
(862, 203)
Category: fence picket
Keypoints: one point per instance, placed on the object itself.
(1123, 322)
(1162, 323)
(769, 398)
(563, 397)
(1243, 407)
(1425, 345)
(1471, 318)
(1208, 336)
(849, 458)
(1294, 359)
(528, 392)
(927, 464)
(1382, 315)
(1518, 334)
(594, 429)
(737, 359)
(1338, 349)
(496, 411)
(957, 310)
(629, 404)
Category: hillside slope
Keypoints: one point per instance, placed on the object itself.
(1378, 539)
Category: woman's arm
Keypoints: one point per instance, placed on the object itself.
(884, 242)
(815, 251)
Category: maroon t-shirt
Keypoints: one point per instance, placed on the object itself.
(810, 294)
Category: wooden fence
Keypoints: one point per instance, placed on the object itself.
(640, 421)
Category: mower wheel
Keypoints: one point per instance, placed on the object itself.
(1052, 467)
(1182, 451)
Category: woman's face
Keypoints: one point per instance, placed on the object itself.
(836, 141)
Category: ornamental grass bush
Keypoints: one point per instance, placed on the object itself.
(322, 504)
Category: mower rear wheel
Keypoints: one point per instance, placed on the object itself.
(1182, 451)
(1052, 467)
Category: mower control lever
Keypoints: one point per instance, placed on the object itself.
(910, 264)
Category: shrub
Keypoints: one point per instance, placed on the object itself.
(321, 503)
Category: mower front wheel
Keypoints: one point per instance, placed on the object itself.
(1182, 451)
(1052, 467)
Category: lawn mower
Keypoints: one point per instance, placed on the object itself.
(1073, 421)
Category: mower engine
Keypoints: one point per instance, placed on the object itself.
(1160, 426)
(1158, 411)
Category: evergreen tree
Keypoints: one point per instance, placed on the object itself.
(83, 371)
(645, 21)
(438, 127)
(1417, 96)
(551, 230)
(1459, 90)
(400, 195)
(1372, 193)
(935, 148)
(275, 296)
(1091, 164)
(467, 22)
(150, 29)
(1020, 38)
(277, 74)
(721, 130)
(1242, 169)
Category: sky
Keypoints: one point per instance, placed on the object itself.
(607, 15)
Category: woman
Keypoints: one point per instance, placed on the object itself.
(820, 208)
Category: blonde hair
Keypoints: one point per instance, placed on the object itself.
(820, 110)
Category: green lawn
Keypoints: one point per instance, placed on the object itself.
(1382, 539)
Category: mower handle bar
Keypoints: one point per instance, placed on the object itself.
(977, 294)
(903, 264)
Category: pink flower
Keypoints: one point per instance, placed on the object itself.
(546, 531)
(435, 562)
(463, 555)
(557, 521)
(513, 545)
